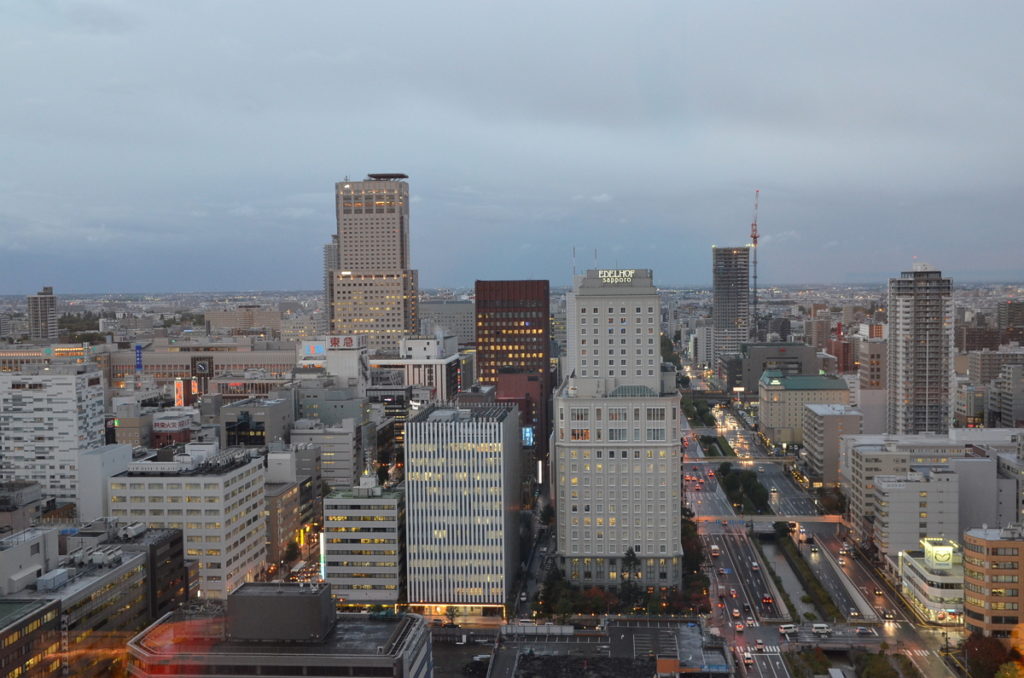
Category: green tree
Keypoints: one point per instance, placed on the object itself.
(1011, 669)
(547, 514)
(451, 613)
(291, 552)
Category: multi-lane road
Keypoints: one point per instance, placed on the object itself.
(898, 628)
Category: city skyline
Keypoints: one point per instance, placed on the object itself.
(658, 121)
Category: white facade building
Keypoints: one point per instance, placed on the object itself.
(95, 468)
(462, 490)
(823, 425)
(364, 543)
(48, 415)
(615, 463)
(924, 502)
(215, 498)
(862, 458)
(932, 580)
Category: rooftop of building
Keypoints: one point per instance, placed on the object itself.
(826, 409)
(205, 633)
(449, 414)
(1013, 532)
(815, 382)
(13, 609)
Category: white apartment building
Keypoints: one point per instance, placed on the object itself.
(217, 500)
(824, 424)
(462, 508)
(920, 352)
(49, 414)
(373, 292)
(363, 543)
(862, 458)
(924, 502)
(615, 463)
(433, 363)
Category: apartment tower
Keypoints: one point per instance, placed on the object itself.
(730, 312)
(920, 369)
(42, 316)
(372, 291)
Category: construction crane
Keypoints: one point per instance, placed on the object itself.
(753, 238)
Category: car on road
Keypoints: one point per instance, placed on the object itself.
(739, 627)
(814, 549)
(774, 490)
(759, 644)
(721, 571)
(750, 621)
(863, 631)
(732, 593)
(522, 597)
(879, 592)
(787, 629)
(735, 613)
(760, 469)
(747, 659)
(767, 599)
(889, 614)
(841, 560)
(854, 614)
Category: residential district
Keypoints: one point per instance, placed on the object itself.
(513, 479)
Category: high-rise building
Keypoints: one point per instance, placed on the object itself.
(512, 328)
(615, 462)
(513, 334)
(730, 310)
(373, 291)
(920, 352)
(49, 415)
(42, 316)
(462, 508)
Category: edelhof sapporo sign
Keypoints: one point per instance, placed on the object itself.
(616, 276)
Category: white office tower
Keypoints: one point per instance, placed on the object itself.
(363, 543)
(373, 291)
(217, 500)
(615, 467)
(920, 370)
(730, 304)
(49, 415)
(462, 508)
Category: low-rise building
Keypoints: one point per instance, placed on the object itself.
(101, 594)
(924, 502)
(281, 629)
(932, 580)
(993, 599)
(782, 399)
(822, 428)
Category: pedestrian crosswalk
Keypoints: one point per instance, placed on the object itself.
(917, 652)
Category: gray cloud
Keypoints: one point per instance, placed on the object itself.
(197, 131)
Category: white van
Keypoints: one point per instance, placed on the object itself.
(821, 629)
(787, 628)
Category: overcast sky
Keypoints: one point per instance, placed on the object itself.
(194, 145)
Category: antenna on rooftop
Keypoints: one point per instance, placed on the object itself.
(754, 235)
